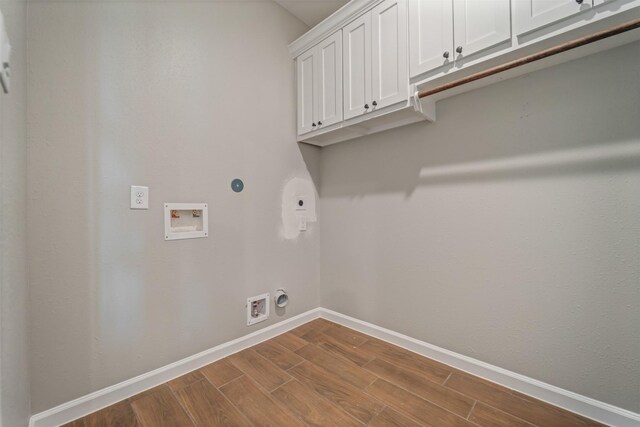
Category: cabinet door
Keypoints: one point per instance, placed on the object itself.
(329, 80)
(307, 91)
(532, 14)
(389, 74)
(357, 66)
(430, 35)
(480, 24)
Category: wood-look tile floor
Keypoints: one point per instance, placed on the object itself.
(323, 374)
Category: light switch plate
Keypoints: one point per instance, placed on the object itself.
(139, 197)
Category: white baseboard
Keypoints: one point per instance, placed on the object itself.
(85, 405)
(591, 408)
(585, 406)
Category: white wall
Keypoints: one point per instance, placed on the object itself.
(178, 96)
(508, 231)
(14, 357)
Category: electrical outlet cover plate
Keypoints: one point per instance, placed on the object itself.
(264, 309)
(302, 224)
(139, 197)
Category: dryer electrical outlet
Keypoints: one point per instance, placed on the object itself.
(301, 204)
(298, 207)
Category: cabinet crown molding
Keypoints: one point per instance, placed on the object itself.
(330, 25)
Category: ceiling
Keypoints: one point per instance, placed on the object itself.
(311, 12)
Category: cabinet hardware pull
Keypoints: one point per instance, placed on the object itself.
(579, 1)
(319, 123)
(375, 103)
(446, 54)
(313, 125)
(366, 106)
(459, 49)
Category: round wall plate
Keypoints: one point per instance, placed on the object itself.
(237, 185)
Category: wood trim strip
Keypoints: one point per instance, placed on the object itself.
(582, 41)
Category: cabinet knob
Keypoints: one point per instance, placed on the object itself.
(446, 54)
(366, 106)
(313, 125)
(579, 1)
(319, 123)
(459, 49)
(375, 103)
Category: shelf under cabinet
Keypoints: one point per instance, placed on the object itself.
(391, 117)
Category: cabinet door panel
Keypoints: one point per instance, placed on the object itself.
(532, 14)
(389, 53)
(306, 91)
(481, 24)
(329, 74)
(357, 66)
(431, 34)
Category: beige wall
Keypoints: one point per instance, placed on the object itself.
(14, 357)
(182, 97)
(508, 231)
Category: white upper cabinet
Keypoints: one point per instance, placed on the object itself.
(356, 81)
(358, 69)
(532, 14)
(431, 34)
(357, 66)
(319, 81)
(329, 60)
(441, 31)
(389, 54)
(479, 25)
(375, 59)
(307, 90)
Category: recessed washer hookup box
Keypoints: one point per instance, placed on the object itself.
(186, 221)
